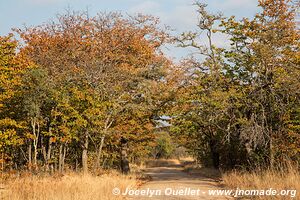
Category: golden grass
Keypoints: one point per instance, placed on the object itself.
(67, 187)
(262, 180)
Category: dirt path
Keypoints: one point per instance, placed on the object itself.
(171, 179)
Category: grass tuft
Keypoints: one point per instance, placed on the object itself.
(67, 187)
(288, 179)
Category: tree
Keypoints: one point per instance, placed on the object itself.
(263, 55)
(100, 67)
(239, 100)
(202, 104)
(12, 67)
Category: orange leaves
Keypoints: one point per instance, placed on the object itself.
(91, 75)
(149, 126)
(109, 37)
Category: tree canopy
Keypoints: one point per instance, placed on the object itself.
(87, 91)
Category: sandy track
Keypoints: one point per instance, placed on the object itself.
(173, 178)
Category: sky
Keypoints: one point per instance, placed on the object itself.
(180, 15)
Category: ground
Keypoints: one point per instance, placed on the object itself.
(176, 178)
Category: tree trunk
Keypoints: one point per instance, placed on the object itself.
(49, 153)
(36, 132)
(29, 157)
(271, 154)
(99, 154)
(63, 158)
(44, 155)
(2, 173)
(60, 158)
(215, 156)
(76, 165)
(124, 160)
(85, 154)
(107, 125)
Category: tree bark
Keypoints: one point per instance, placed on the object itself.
(36, 132)
(2, 173)
(63, 158)
(29, 157)
(99, 154)
(49, 153)
(124, 160)
(271, 154)
(215, 156)
(85, 154)
(60, 158)
(76, 165)
(44, 155)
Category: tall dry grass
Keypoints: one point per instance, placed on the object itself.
(288, 179)
(67, 187)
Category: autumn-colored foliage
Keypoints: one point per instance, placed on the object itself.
(87, 91)
(241, 106)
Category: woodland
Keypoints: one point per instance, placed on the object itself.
(85, 92)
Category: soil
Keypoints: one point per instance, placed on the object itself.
(174, 178)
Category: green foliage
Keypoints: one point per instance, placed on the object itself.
(85, 92)
(164, 147)
(11, 69)
(79, 84)
(242, 101)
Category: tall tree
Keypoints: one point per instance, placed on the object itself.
(12, 67)
(264, 57)
(241, 100)
(102, 66)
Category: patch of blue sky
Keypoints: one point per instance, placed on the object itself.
(180, 15)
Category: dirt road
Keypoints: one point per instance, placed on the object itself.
(172, 183)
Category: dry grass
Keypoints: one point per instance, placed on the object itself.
(73, 186)
(262, 180)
